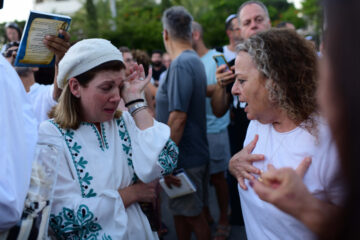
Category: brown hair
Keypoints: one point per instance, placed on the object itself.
(67, 113)
(289, 63)
(141, 57)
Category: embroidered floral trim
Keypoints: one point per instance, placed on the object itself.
(101, 139)
(78, 161)
(168, 157)
(126, 145)
(80, 225)
(104, 136)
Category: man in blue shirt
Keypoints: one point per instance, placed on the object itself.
(180, 102)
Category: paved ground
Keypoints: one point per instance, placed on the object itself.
(237, 232)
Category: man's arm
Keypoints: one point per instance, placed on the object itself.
(210, 89)
(220, 101)
(176, 122)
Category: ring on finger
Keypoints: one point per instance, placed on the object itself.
(141, 78)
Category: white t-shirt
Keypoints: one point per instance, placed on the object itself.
(229, 55)
(41, 97)
(265, 221)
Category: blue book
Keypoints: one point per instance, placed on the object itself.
(32, 51)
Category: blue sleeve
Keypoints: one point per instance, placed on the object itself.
(180, 89)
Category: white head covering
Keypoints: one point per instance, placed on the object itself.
(84, 56)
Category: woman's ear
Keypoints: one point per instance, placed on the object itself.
(74, 86)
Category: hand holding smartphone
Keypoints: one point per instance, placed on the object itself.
(220, 60)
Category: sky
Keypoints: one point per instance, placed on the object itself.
(19, 9)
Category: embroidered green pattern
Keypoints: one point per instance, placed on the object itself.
(106, 237)
(80, 225)
(168, 157)
(79, 162)
(126, 145)
(101, 139)
(104, 136)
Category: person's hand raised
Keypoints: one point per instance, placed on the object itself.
(240, 165)
(223, 76)
(57, 45)
(135, 83)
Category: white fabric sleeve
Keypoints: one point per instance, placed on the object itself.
(104, 213)
(42, 100)
(17, 145)
(148, 146)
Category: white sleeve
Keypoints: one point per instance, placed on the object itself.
(42, 100)
(17, 145)
(101, 213)
(154, 153)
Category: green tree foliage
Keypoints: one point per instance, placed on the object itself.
(92, 19)
(312, 11)
(138, 22)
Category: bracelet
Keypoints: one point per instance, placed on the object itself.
(134, 101)
(138, 110)
(137, 107)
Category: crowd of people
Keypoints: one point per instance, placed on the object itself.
(274, 130)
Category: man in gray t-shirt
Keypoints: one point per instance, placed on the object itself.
(180, 103)
(184, 90)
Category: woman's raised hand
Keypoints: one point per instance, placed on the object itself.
(240, 165)
(135, 83)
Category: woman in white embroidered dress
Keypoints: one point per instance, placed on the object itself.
(108, 156)
(276, 76)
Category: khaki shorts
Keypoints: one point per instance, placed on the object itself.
(192, 204)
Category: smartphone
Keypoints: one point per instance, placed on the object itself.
(220, 60)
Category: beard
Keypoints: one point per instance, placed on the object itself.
(156, 63)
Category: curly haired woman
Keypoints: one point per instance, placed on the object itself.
(276, 75)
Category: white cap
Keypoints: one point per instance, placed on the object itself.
(85, 55)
